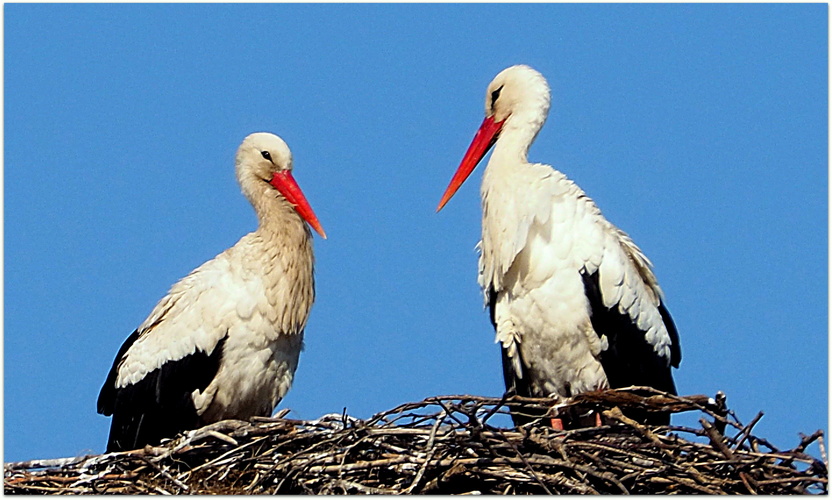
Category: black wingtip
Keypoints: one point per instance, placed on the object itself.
(160, 404)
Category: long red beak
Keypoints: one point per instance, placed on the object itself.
(485, 137)
(288, 187)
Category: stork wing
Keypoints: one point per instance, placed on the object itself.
(175, 352)
(160, 404)
(626, 307)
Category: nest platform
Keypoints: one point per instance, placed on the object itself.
(448, 445)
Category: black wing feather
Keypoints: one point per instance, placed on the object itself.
(675, 347)
(630, 359)
(160, 404)
(107, 397)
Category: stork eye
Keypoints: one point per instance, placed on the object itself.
(496, 95)
(266, 155)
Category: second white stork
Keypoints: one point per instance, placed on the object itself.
(574, 302)
(225, 341)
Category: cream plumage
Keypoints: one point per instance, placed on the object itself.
(574, 302)
(225, 341)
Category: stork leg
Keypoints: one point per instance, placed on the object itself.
(557, 423)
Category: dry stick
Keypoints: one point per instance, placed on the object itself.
(618, 466)
(717, 442)
(383, 431)
(219, 458)
(604, 474)
(807, 440)
(57, 479)
(56, 490)
(746, 431)
(253, 482)
(157, 489)
(495, 408)
(178, 483)
(95, 477)
(600, 475)
(716, 439)
(780, 456)
(431, 450)
(348, 449)
(808, 479)
(41, 464)
(748, 481)
(694, 485)
(804, 442)
(445, 476)
(571, 465)
(362, 488)
(616, 414)
(450, 413)
(612, 449)
(526, 463)
(625, 396)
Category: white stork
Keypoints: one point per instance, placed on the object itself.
(573, 300)
(224, 342)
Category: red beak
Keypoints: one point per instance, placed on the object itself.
(288, 187)
(485, 137)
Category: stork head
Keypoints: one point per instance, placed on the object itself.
(265, 158)
(517, 99)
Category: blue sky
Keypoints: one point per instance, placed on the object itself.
(701, 130)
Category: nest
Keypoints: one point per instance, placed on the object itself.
(445, 445)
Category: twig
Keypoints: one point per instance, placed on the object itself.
(716, 439)
(182, 486)
(746, 431)
(431, 450)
